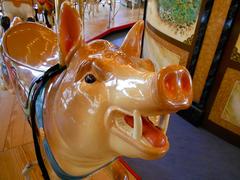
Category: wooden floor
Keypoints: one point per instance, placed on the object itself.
(16, 144)
(99, 22)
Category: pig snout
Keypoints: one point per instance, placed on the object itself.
(174, 86)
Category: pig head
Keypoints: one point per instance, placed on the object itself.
(108, 102)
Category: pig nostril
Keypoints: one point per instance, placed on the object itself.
(170, 85)
(175, 85)
(185, 83)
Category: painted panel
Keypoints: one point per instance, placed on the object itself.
(226, 108)
(179, 23)
(231, 110)
(176, 19)
(161, 52)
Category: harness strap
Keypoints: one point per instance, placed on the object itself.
(35, 89)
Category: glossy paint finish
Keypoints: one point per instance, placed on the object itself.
(31, 49)
(108, 102)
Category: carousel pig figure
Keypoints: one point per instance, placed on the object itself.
(16, 8)
(108, 102)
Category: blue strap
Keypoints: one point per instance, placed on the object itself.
(39, 117)
(35, 88)
(39, 108)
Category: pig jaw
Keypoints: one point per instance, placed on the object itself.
(131, 140)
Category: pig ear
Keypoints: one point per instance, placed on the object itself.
(133, 41)
(70, 32)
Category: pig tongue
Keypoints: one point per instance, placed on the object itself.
(154, 135)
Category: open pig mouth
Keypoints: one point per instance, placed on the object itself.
(147, 134)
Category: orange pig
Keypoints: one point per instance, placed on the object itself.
(108, 102)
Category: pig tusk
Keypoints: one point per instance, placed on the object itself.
(163, 123)
(137, 131)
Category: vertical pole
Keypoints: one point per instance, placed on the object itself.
(139, 8)
(80, 8)
(57, 8)
(81, 12)
(144, 18)
(110, 13)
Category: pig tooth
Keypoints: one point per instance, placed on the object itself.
(163, 122)
(154, 119)
(137, 129)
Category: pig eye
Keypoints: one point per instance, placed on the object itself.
(89, 78)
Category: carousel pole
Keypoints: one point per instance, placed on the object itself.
(56, 3)
(139, 8)
(110, 13)
(81, 12)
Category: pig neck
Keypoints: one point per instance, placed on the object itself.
(68, 161)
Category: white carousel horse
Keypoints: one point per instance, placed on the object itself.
(16, 8)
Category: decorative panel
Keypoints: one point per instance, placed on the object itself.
(163, 52)
(176, 19)
(214, 29)
(175, 30)
(231, 111)
(222, 111)
(226, 107)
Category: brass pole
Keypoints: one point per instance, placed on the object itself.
(81, 10)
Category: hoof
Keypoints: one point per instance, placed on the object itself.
(5, 22)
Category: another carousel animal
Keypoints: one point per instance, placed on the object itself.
(46, 7)
(91, 6)
(105, 104)
(75, 3)
(16, 8)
